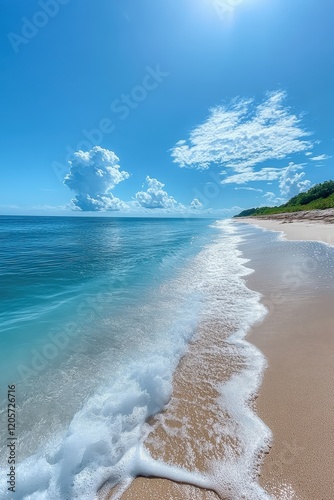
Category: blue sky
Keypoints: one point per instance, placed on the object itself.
(151, 107)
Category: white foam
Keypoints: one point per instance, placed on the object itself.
(233, 476)
(104, 439)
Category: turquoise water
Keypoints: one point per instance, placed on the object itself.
(95, 315)
(53, 269)
(93, 312)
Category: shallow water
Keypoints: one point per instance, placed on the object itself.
(96, 314)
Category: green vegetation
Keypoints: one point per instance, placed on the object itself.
(319, 197)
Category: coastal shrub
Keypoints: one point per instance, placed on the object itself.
(319, 197)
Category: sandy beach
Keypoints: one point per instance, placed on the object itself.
(298, 228)
(189, 432)
(296, 399)
(189, 409)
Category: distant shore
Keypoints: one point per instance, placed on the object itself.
(325, 216)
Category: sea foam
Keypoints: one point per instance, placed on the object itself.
(104, 441)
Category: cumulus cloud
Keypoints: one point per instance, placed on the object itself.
(92, 176)
(155, 196)
(99, 203)
(292, 181)
(320, 158)
(196, 204)
(242, 134)
(273, 199)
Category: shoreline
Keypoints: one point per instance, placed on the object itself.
(191, 417)
(295, 230)
(319, 216)
(294, 400)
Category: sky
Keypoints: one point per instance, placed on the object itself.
(163, 108)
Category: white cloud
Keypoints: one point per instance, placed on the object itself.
(10, 207)
(98, 203)
(291, 182)
(155, 196)
(93, 174)
(273, 199)
(248, 189)
(266, 174)
(320, 158)
(222, 212)
(229, 211)
(196, 204)
(242, 134)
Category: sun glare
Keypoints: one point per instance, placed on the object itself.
(226, 8)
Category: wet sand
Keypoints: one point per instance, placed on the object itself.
(296, 399)
(307, 230)
(186, 433)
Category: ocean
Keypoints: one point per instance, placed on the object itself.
(95, 315)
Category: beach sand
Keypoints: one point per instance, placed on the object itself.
(302, 230)
(183, 430)
(296, 399)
